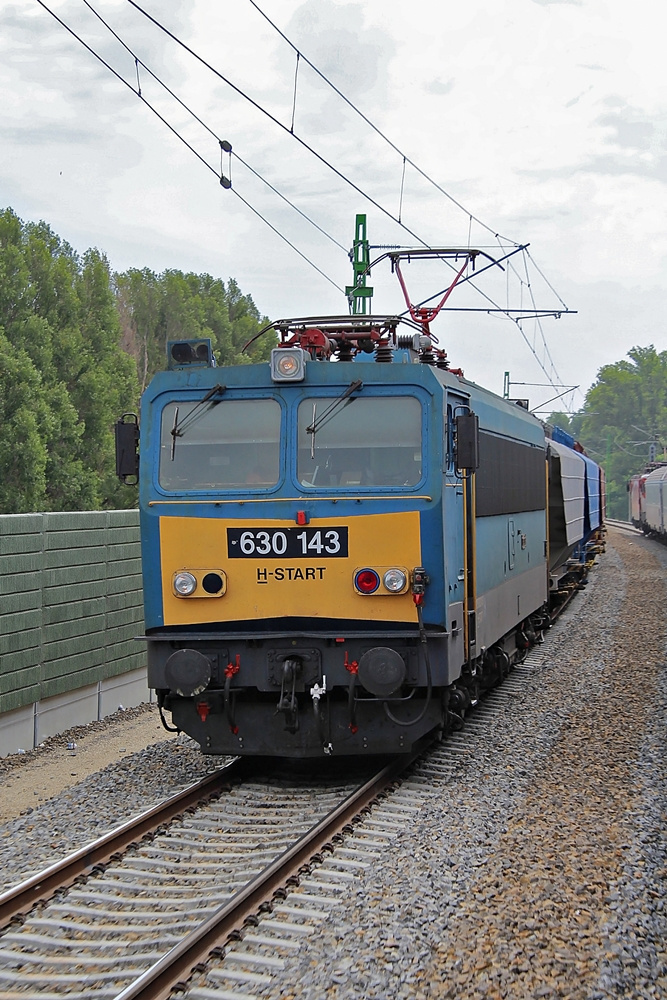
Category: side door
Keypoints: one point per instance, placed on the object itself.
(454, 533)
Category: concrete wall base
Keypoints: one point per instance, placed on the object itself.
(25, 728)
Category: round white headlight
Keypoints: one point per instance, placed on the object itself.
(185, 584)
(395, 580)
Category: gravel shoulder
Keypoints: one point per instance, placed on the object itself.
(540, 869)
(54, 800)
(28, 780)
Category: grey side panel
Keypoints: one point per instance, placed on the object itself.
(502, 608)
(573, 480)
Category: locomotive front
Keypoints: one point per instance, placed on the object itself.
(291, 518)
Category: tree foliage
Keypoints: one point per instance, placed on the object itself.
(157, 308)
(77, 345)
(623, 420)
(624, 414)
(63, 375)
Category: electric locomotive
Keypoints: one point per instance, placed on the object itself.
(335, 556)
(343, 547)
(648, 500)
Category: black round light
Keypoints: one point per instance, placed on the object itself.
(181, 353)
(212, 583)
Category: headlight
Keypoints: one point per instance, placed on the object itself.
(395, 580)
(184, 584)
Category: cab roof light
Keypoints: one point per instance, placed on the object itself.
(288, 364)
(190, 354)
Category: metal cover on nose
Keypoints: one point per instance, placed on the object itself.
(188, 672)
(382, 671)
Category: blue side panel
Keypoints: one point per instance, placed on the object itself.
(563, 437)
(593, 494)
(150, 556)
(505, 419)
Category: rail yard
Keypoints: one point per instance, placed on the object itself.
(523, 857)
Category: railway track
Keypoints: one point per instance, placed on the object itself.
(21, 898)
(248, 866)
(262, 949)
(138, 924)
(622, 526)
(234, 868)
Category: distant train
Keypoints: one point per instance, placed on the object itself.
(647, 495)
(344, 547)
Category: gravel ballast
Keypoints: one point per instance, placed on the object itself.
(86, 809)
(538, 870)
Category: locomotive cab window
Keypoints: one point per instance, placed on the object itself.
(368, 441)
(232, 444)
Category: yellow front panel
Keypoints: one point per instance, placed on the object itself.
(310, 587)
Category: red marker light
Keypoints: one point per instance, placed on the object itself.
(366, 581)
(301, 517)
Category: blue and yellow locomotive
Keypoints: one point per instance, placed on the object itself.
(343, 547)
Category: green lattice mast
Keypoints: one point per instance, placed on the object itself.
(359, 294)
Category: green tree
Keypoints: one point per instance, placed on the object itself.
(570, 422)
(624, 413)
(77, 346)
(174, 305)
(24, 415)
(62, 348)
(139, 302)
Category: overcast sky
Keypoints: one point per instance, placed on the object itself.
(544, 119)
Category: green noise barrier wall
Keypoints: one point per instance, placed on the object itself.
(70, 603)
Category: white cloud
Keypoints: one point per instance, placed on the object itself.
(545, 119)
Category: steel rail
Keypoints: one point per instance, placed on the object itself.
(22, 897)
(174, 969)
(177, 965)
(612, 522)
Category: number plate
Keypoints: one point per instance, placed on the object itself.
(287, 543)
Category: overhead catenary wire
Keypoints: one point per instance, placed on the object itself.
(322, 159)
(306, 145)
(515, 319)
(281, 125)
(276, 121)
(296, 81)
(122, 79)
(427, 177)
(296, 249)
(137, 93)
(343, 97)
(529, 288)
(207, 128)
(339, 173)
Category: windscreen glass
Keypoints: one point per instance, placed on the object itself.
(360, 442)
(226, 445)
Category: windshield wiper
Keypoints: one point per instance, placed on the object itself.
(178, 430)
(330, 412)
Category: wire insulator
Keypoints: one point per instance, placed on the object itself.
(383, 352)
(345, 350)
(426, 355)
